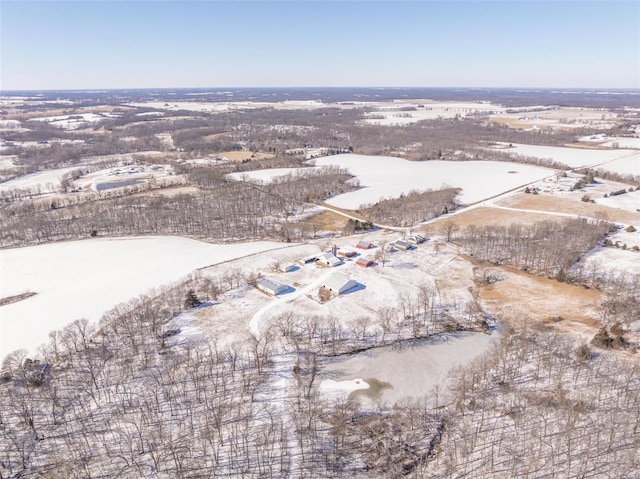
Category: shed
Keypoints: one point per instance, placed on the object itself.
(287, 268)
(338, 283)
(362, 244)
(309, 259)
(347, 253)
(364, 261)
(329, 259)
(402, 244)
(416, 239)
(271, 286)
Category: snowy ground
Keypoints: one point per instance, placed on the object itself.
(628, 201)
(627, 165)
(385, 177)
(76, 120)
(46, 181)
(611, 260)
(83, 279)
(572, 157)
(404, 113)
(267, 175)
(557, 118)
(620, 142)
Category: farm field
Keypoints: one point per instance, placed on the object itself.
(571, 206)
(389, 177)
(83, 279)
(46, 181)
(572, 157)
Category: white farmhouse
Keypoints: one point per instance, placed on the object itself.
(329, 259)
(339, 283)
(271, 286)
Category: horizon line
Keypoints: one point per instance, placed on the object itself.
(636, 88)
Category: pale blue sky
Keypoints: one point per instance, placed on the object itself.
(147, 44)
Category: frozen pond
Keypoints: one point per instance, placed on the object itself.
(412, 369)
(117, 184)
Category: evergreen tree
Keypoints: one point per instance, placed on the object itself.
(191, 300)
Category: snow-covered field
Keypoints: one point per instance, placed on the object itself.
(418, 370)
(389, 177)
(83, 279)
(48, 181)
(268, 175)
(627, 165)
(628, 201)
(620, 142)
(76, 120)
(616, 261)
(545, 117)
(401, 113)
(213, 107)
(572, 157)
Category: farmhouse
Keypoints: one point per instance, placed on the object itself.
(364, 245)
(329, 259)
(271, 286)
(339, 283)
(402, 244)
(364, 261)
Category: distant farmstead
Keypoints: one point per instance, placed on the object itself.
(339, 284)
(271, 286)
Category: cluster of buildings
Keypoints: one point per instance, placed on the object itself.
(337, 283)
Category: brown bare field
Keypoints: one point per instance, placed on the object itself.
(325, 221)
(568, 205)
(483, 216)
(171, 192)
(216, 135)
(244, 155)
(524, 298)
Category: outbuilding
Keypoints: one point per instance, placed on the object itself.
(402, 244)
(329, 259)
(346, 253)
(339, 284)
(364, 261)
(362, 244)
(271, 286)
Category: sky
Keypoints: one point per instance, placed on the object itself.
(95, 44)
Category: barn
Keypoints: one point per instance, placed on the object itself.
(339, 283)
(271, 286)
(346, 253)
(364, 261)
(364, 245)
